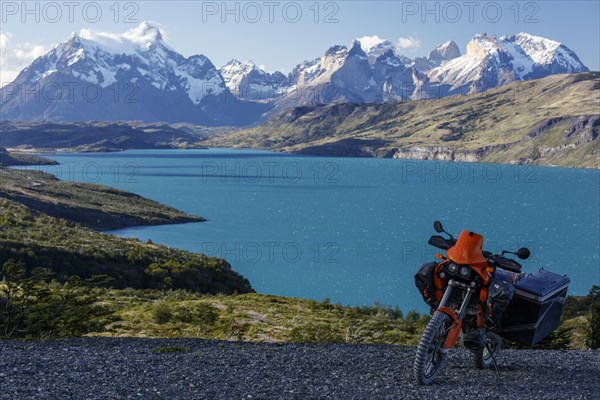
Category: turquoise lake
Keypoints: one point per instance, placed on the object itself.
(353, 230)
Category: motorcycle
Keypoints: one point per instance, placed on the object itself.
(458, 289)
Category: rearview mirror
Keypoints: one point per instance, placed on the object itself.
(437, 225)
(523, 253)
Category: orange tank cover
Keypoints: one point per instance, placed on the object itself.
(467, 249)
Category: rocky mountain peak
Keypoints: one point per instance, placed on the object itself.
(336, 49)
(481, 45)
(389, 58)
(356, 50)
(444, 52)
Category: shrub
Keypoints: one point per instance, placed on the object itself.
(206, 314)
(162, 313)
(319, 332)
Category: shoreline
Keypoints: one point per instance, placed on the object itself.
(302, 153)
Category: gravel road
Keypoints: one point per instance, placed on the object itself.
(203, 369)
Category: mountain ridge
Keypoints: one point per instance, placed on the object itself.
(140, 77)
(133, 76)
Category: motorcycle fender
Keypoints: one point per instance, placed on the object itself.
(453, 334)
(454, 329)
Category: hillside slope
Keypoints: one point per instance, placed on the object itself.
(99, 136)
(16, 159)
(94, 206)
(549, 121)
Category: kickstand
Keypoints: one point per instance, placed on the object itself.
(489, 348)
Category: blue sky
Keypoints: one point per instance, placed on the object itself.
(280, 34)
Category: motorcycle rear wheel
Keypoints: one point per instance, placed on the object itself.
(431, 352)
(482, 358)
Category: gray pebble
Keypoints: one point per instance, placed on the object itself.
(101, 368)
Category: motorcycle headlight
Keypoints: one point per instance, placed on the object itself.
(452, 268)
(464, 271)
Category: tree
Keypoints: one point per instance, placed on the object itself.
(69, 309)
(33, 306)
(17, 295)
(162, 313)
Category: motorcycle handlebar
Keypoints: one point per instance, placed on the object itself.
(503, 262)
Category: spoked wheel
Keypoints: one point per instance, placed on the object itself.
(484, 358)
(431, 352)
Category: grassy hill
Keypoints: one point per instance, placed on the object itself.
(38, 240)
(549, 121)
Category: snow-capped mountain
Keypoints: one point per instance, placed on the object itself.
(341, 74)
(377, 48)
(491, 62)
(362, 73)
(134, 76)
(375, 72)
(247, 81)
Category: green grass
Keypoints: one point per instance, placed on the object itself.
(256, 318)
(267, 318)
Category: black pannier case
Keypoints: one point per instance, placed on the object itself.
(536, 307)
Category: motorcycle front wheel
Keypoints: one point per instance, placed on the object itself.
(431, 352)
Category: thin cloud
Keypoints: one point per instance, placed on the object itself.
(408, 43)
(402, 44)
(16, 56)
(366, 42)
